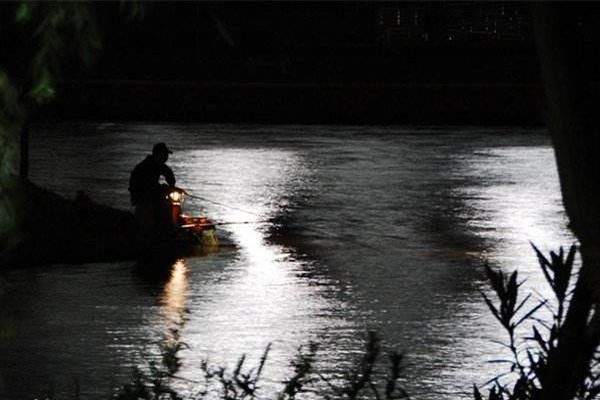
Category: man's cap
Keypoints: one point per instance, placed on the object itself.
(161, 148)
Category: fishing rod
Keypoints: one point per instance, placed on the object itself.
(193, 196)
(227, 223)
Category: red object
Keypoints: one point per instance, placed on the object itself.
(175, 214)
(195, 223)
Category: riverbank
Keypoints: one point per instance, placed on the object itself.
(61, 230)
(305, 103)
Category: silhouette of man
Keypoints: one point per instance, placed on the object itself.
(147, 193)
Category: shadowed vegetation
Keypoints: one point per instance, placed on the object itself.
(160, 380)
(49, 39)
(534, 353)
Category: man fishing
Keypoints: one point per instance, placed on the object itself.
(148, 194)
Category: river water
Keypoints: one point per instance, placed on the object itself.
(375, 228)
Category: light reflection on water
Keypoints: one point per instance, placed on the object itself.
(382, 228)
(266, 300)
(174, 297)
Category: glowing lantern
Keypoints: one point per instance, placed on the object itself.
(176, 197)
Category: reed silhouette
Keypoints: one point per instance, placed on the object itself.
(534, 348)
(242, 383)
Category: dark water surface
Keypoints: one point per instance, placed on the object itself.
(379, 228)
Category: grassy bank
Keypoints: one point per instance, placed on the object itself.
(61, 230)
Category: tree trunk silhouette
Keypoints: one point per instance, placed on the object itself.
(11, 188)
(575, 136)
(24, 159)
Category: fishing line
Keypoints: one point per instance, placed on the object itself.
(242, 222)
(338, 237)
(315, 230)
(222, 204)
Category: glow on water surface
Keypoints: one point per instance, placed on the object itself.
(266, 299)
(379, 228)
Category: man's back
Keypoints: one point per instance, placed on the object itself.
(144, 180)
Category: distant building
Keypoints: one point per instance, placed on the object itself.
(401, 23)
(452, 21)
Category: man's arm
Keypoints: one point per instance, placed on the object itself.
(168, 174)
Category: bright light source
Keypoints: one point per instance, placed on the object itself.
(176, 196)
